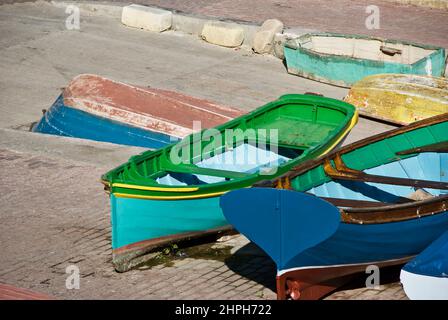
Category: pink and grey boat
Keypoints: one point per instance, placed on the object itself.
(96, 108)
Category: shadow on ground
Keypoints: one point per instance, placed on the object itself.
(388, 275)
(252, 263)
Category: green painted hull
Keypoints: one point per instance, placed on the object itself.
(349, 65)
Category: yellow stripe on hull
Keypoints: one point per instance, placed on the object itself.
(187, 197)
(353, 122)
(147, 188)
(400, 98)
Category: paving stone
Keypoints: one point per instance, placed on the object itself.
(210, 275)
(211, 296)
(203, 265)
(239, 282)
(216, 279)
(245, 286)
(187, 293)
(233, 278)
(180, 263)
(222, 269)
(221, 292)
(227, 274)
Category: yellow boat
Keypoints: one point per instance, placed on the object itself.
(400, 98)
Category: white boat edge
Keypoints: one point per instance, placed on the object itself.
(421, 287)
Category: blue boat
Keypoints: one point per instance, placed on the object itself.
(426, 276)
(361, 205)
(96, 108)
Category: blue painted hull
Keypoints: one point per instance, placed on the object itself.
(359, 244)
(426, 276)
(65, 121)
(433, 261)
(300, 231)
(135, 220)
(312, 247)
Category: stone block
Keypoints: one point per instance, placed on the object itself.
(146, 18)
(223, 34)
(264, 38)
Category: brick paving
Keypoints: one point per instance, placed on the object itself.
(54, 214)
(397, 21)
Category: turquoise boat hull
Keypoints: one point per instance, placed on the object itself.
(344, 70)
(136, 220)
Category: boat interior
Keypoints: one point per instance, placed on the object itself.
(258, 145)
(244, 159)
(419, 177)
(371, 49)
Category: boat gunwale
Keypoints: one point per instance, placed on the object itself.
(389, 78)
(311, 52)
(350, 118)
(374, 215)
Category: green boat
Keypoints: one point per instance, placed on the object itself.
(171, 194)
(342, 59)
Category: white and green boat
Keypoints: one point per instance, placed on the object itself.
(163, 196)
(342, 59)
